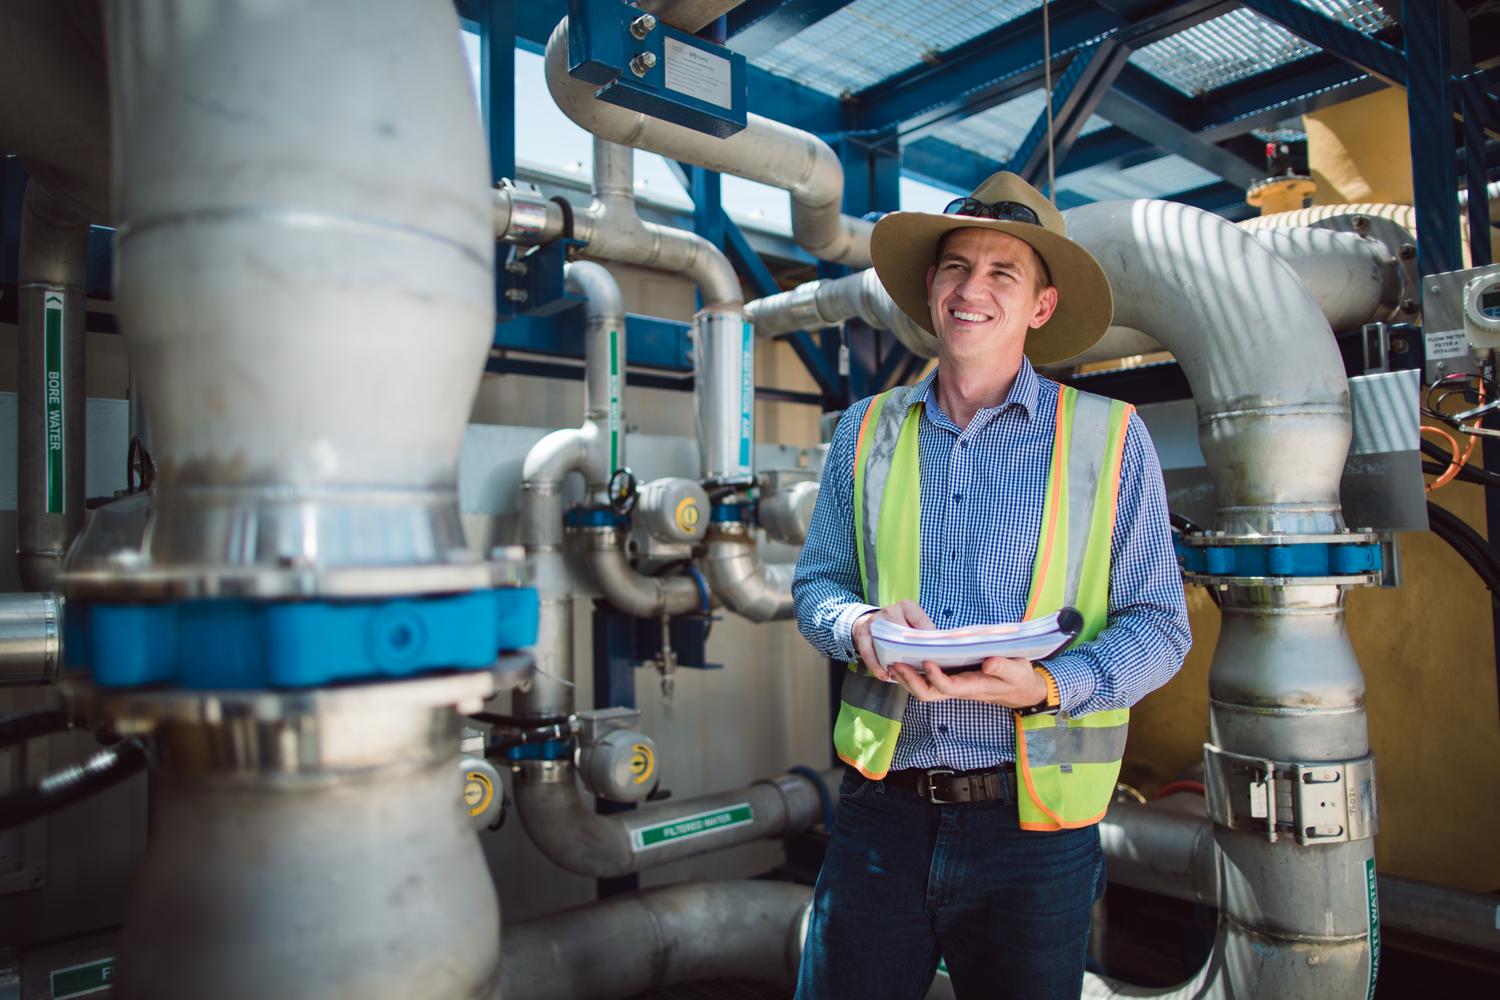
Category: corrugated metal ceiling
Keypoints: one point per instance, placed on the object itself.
(998, 131)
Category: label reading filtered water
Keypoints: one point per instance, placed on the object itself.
(52, 399)
(1447, 344)
(699, 74)
(1374, 913)
(614, 401)
(688, 827)
(747, 397)
(82, 980)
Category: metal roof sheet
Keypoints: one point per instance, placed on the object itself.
(870, 40)
(1165, 176)
(1241, 44)
(998, 131)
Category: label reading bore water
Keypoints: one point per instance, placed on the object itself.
(52, 400)
(688, 827)
(83, 980)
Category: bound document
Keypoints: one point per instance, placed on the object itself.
(958, 649)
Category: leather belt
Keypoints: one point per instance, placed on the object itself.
(944, 786)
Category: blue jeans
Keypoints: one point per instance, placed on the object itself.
(905, 882)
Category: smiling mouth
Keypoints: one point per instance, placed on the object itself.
(968, 317)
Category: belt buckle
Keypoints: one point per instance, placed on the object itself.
(931, 793)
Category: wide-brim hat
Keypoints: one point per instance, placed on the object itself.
(904, 246)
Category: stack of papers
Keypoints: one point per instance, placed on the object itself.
(960, 648)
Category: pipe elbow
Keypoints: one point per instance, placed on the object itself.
(748, 587)
(565, 829)
(632, 592)
(552, 458)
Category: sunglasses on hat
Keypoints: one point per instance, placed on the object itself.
(1003, 211)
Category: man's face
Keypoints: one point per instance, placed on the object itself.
(986, 293)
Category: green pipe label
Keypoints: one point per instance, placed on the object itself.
(688, 827)
(82, 980)
(614, 401)
(747, 397)
(52, 400)
(1373, 908)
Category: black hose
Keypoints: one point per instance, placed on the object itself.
(1467, 543)
(73, 784)
(18, 727)
(521, 738)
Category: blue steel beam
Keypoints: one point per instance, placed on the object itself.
(1261, 101)
(1429, 110)
(757, 26)
(1471, 99)
(1162, 131)
(1074, 98)
(497, 84)
(942, 164)
(1353, 46)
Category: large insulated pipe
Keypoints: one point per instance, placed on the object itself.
(637, 944)
(1219, 301)
(765, 151)
(596, 449)
(573, 836)
(1169, 851)
(49, 384)
(29, 636)
(1284, 687)
(309, 235)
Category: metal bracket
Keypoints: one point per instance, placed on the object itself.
(1326, 802)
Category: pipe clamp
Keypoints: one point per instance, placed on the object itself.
(1321, 802)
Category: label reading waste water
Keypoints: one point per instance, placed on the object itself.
(688, 827)
(1373, 906)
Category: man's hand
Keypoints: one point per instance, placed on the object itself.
(908, 613)
(1000, 680)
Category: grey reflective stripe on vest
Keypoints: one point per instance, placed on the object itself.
(1063, 743)
(1085, 465)
(878, 454)
(885, 699)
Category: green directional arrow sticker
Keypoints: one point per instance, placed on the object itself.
(52, 401)
(83, 980)
(688, 827)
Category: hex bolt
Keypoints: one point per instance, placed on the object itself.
(1361, 224)
(515, 267)
(643, 63)
(1406, 251)
(642, 26)
(516, 294)
(1408, 305)
(1399, 345)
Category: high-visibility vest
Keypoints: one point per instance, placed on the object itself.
(1067, 765)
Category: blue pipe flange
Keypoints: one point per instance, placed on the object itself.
(240, 645)
(546, 750)
(1353, 559)
(731, 513)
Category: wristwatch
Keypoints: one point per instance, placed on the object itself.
(1052, 702)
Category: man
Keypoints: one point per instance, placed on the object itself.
(967, 822)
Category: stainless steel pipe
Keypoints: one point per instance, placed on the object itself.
(830, 301)
(766, 151)
(1273, 408)
(49, 384)
(756, 590)
(1167, 850)
(322, 234)
(30, 633)
(595, 449)
(573, 836)
(633, 945)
